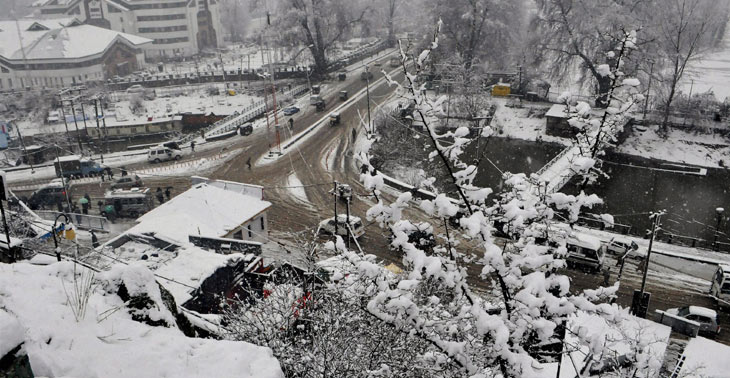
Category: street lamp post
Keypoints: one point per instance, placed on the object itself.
(719, 211)
(53, 232)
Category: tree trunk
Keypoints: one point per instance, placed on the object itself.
(604, 87)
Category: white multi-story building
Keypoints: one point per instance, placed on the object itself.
(64, 52)
(177, 27)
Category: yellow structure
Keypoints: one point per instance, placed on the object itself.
(501, 89)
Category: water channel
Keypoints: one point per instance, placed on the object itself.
(632, 190)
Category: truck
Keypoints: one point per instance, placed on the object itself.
(74, 166)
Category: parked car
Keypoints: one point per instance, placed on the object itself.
(720, 288)
(127, 182)
(245, 130)
(585, 252)
(127, 203)
(160, 153)
(137, 88)
(327, 226)
(49, 195)
(76, 166)
(709, 322)
(291, 110)
(619, 247)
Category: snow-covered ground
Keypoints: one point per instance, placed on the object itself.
(296, 188)
(36, 309)
(706, 358)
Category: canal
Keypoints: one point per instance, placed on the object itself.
(634, 187)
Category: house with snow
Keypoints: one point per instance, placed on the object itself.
(202, 244)
(556, 122)
(64, 52)
(211, 209)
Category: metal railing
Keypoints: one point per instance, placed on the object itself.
(82, 221)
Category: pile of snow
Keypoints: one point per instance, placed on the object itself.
(706, 358)
(296, 188)
(106, 342)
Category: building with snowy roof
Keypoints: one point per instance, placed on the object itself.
(177, 27)
(64, 52)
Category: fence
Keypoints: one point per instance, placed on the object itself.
(82, 221)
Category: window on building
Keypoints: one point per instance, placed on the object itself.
(250, 233)
(263, 225)
(4, 70)
(238, 235)
(10, 83)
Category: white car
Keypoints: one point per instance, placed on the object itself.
(709, 322)
(135, 89)
(160, 154)
(618, 247)
(328, 226)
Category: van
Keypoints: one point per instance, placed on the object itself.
(49, 195)
(585, 251)
(720, 288)
(160, 154)
(127, 203)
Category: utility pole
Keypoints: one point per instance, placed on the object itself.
(640, 304)
(648, 90)
(367, 90)
(63, 113)
(337, 220)
(76, 124)
(22, 144)
(98, 129)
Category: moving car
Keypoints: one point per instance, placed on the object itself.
(334, 119)
(135, 89)
(76, 166)
(127, 203)
(127, 182)
(585, 251)
(49, 195)
(160, 153)
(327, 226)
(709, 322)
(291, 110)
(720, 288)
(620, 247)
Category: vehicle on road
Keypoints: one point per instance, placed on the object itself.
(342, 76)
(135, 89)
(74, 166)
(709, 322)
(49, 195)
(159, 154)
(291, 110)
(334, 119)
(720, 288)
(343, 95)
(585, 251)
(127, 182)
(620, 247)
(320, 106)
(315, 99)
(366, 75)
(327, 226)
(394, 62)
(316, 89)
(127, 203)
(245, 130)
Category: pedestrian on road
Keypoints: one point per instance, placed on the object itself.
(192, 146)
(94, 240)
(84, 205)
(86, 195)
(248, 162)
(159, 195)
(124, 171)
(109, 173)
(606, 276)
(167, 192)
(291, 123)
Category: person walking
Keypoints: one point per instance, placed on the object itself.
(124, 171)
(110, 173)
(192, 145)
(94, 240)
(167, 192)
(159, 195)
(84, 205)
(86, 195)
(248, 162)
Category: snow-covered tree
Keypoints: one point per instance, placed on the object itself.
(517, 323)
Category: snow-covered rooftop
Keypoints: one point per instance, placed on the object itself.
(58, 39)
(204, 210)
(106, 342)
(706, 358)
(557, 111)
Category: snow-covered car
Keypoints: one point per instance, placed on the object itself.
(291, 110)
(135, 89)
(619, 247)
(160, 154)
(709, 322)
(327, 226)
